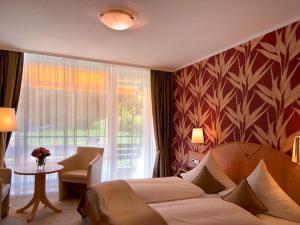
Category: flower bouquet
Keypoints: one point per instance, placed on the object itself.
(40, 154)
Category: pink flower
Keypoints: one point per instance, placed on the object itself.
(40, 152)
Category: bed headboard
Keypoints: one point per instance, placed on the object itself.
(238, 160)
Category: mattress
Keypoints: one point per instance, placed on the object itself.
(271, 220)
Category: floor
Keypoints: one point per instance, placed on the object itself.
(45, 216)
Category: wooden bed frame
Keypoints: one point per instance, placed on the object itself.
(238, 159)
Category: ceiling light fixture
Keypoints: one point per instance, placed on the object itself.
(116, 19)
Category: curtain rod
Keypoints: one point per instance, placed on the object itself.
(81, 58)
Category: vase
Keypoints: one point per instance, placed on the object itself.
(40, 163)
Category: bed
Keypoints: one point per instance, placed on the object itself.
(173, 201)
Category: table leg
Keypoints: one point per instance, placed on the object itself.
(38, 196)
(33, 211)
(44, 198)
(26, 206)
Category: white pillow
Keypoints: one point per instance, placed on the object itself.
(213, 168)
(277, 202)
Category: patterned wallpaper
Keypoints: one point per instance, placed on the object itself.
(248, 93)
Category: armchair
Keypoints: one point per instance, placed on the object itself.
(5, 181)
(81, 170)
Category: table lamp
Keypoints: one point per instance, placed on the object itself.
(198, 137)
(296, 150)
(7, 124)
(7, 119)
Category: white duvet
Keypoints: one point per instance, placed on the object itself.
(204, 211)
(164, 189)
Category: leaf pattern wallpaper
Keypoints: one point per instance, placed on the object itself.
(249, 93)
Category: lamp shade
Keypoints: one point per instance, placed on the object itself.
(197, 136)
(7, 119)
(117, 19)
(296, 150)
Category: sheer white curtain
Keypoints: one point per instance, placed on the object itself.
(65, 103)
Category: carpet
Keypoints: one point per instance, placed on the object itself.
(44, 215)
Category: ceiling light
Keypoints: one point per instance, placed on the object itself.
(116, 19)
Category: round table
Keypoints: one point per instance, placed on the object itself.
(39, 185)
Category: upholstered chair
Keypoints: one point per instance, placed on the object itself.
(5, 182)
(81, 170)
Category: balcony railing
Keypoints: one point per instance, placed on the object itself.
(126, 154)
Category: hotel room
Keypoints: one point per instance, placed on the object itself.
(161, 112)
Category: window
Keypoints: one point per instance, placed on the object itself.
(65, 103)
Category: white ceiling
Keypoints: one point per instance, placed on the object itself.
(168, 34)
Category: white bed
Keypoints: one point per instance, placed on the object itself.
(193, 206)
(230, 156)
(178, 202)
(204, 211)
(266, 219)
(179, 212)
(185, 211)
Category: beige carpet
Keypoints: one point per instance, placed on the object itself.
(45, 216)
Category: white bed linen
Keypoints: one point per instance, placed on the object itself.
(266, 219)
(271, 220)
(164, 189)
(204, 211)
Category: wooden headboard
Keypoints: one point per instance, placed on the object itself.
(238, 160)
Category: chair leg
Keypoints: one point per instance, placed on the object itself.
(5, 206)
(63, 191)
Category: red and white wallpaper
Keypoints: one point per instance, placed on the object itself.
(248, 93)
